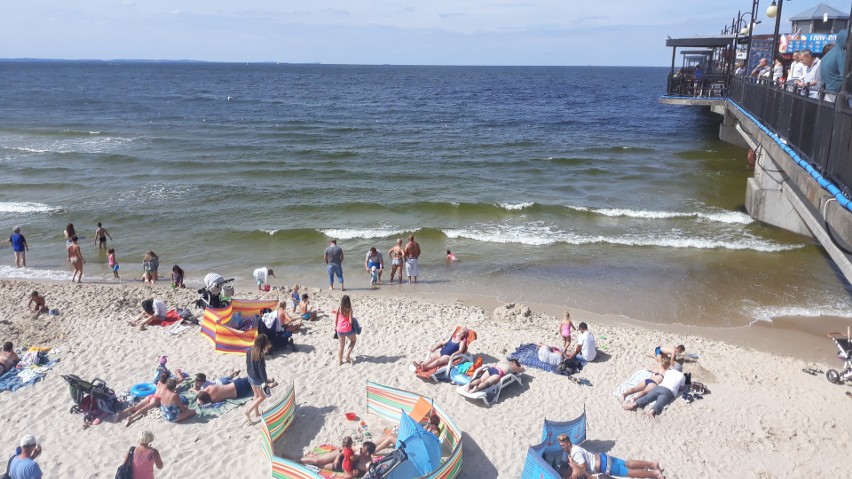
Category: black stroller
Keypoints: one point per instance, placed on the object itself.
(211, 294)
(91, 397)
(382, 468)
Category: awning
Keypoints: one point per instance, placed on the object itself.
(714, 41)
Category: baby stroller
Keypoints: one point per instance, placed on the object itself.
(382, 468)
(91, 397)
(211, 293)
(844, 346)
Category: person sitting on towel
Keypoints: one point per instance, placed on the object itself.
(8, 358)
(353, 465)
(440, 353)
(493, 374)
(578, 462)
(153, 312)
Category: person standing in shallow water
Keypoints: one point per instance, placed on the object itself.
(101, 235)
(396, 255)
(19, 247)
(412, 253)
(333, 257)
(75, 256)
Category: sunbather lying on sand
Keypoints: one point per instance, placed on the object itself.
(8, 357)
(441, 353)
(662, 395)
(645, 387)
(227, 389)
(492, 375)
(550, 355)
(353, 465)
(585, 464)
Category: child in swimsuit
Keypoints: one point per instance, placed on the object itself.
(451, 257)
(177, 277)
(564, 329)
(37, 305)
(303, 309)
(113, 264)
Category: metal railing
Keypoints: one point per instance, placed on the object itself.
(819, 131)
(714, 85)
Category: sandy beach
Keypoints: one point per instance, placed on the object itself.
(763, 418)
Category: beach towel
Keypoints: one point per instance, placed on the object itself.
(527, 355)
(638, 377)
(17, 378)
(176, 329)
(324, 473)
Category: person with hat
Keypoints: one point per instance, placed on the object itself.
(19, 246)
(23, 466)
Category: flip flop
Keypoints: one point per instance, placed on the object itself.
(809, 371)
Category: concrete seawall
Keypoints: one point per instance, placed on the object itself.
(781, 193)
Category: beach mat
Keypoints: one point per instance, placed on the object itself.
(17, 378)
(638, 377)
(527, 355)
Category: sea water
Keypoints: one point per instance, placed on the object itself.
(568, 185)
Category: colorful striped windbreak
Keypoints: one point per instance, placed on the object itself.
(229, 340)
(382, 401)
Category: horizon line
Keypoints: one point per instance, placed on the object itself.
(272, 62)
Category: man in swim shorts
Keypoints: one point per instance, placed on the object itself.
(583, 463)
(396, 255)
(226, 389)
(412, 253)
(101, 237)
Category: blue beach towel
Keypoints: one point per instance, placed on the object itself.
(18, 378)
(527, 354)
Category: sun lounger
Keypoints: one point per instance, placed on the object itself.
(442, 373)
(489, 395)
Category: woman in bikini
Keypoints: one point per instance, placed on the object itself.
(75, 256)
(645, 387)
(8, 358)
(493, 374)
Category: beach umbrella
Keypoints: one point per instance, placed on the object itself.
(422, 447)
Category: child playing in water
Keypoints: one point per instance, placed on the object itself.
(451, 257)
(36, 304)
(565, 327)
(113, 264)
(177, 277)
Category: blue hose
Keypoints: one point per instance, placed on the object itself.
(824, 183)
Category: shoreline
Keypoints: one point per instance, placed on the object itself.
(800, 337)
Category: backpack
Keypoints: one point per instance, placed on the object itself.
(125, 471)
(6, 475)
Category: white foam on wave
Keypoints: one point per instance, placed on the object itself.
(270, 232)
(516, 206)
(90, 144)
(768, 313)
(7, 271)
(367, 233)
(16, 207)
(537, 235)
(729, 217)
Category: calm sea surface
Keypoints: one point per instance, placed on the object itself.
(567, 185)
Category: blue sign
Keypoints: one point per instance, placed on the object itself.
(814, 42)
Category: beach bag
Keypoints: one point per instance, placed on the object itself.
(125, 471)
(355, 326)
(569, 366)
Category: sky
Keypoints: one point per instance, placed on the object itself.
(398, 32)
